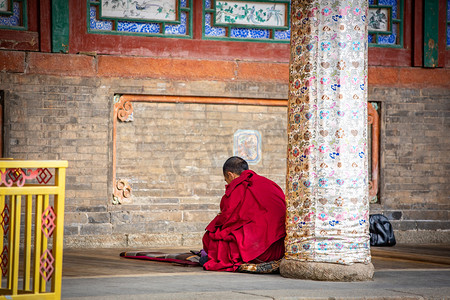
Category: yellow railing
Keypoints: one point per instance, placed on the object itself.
(31, 228)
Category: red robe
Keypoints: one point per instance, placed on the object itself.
(252, 219)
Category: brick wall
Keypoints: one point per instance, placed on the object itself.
(415, 161)
(172, 154)
(63, 109)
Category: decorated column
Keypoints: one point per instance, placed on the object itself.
(327, 171)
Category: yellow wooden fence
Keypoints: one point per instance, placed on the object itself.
(32, 228)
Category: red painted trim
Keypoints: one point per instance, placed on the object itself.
(409, 77)
(191, 69)
(61, 64)
(45, 36)
(202, 100)
(442, 33)
(389, 57)
(167, 47)
(374, 121)
(19, 40)
(12, 61)
(393, 56)
(407, 26)
(197, 22)
(418, 33)
(33, 12)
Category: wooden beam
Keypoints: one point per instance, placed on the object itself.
(418, 33)
(442, 33)
(60, 26)
(431, 33)
(45, 30)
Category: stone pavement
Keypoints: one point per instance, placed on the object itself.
(401, 272)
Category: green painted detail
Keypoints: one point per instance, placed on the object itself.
(374, 105)
(60, 26)
(430, 33)
(374, 199)
(116, 200)
(117, 98)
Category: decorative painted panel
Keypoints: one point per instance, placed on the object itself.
(163, 18)
(385, 22)
(247, 144)
(259, 14)
(13, 14)
(261, 21)
(158, 10)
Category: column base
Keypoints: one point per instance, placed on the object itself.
(326, 271)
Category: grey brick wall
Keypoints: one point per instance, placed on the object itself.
(415, 162)
(179, 150)
(172, 154)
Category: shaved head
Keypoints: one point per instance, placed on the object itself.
(235, 165)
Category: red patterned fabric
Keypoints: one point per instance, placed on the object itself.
(252, 218)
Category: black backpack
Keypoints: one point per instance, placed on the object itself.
(381, 232)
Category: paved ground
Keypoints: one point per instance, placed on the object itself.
(402, 272)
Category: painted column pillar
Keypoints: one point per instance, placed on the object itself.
(327, 171)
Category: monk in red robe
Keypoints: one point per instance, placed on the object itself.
(250, 227)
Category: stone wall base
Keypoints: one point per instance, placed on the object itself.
(95, 241)
(422, 236)
(326, 271)
(193, 240)
(143, 241)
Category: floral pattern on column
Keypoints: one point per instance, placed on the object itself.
(327, 172)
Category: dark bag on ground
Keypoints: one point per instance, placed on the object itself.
(381, 232)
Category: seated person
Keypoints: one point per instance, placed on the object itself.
(250, 227)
